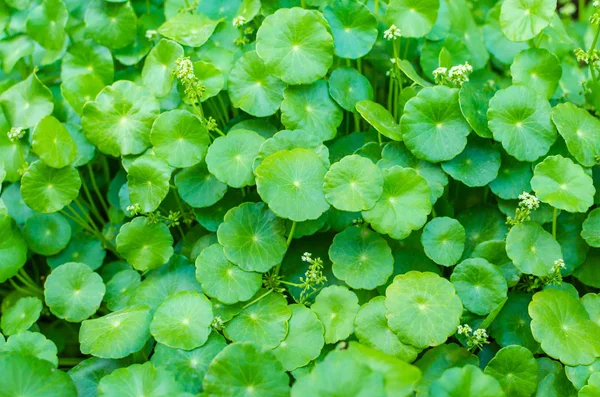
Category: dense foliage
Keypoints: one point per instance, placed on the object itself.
(299, 198)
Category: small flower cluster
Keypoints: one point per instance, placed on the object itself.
(585, 57)
(392, 33)
(15, 134)
(134, 209)
(313, 278)
(595, 19)
(527, 204)
(152, 35)
(532, 283)
(475, 340)
(184, 71)
(171, 220)
(217, 323)
(596, 3)
(239, 21)
(457, 75)
(210, 124)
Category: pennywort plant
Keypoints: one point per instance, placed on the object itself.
(299, 198)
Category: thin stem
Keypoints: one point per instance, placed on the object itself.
(581, 10)
(88, 219)
(359, 65)
(376, 8)
(88, 195)
(303, 3)
(96, 189)
(356, 122)
(198, 110)
(105, 168)
(27, 284)
(290, 283)
(69, 361)
(590, 52)
(554, 218)
(225, 109)
(257, 299)
(219, 132)
(291, 235)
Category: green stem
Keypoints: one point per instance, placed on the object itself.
(23, 273)
(581, 10)
(224, 107)
(198, 110)
(29, 285)
(88, 219)
(592, 71)
(291, 235)
(96, 189)
(359, 65)
(105, 168)
(356, 122)
(257, 299)
(554, 218)
(303, 3)
(25, 289)
(219, 132)
(376, 8)
(290, 283)
(88, 195)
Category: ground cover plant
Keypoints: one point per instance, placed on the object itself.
(299, 198)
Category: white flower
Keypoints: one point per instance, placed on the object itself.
(460, 74)
(597, 3)
(392, 33)
(239, 21)
(15, 134)
(529, 201)
(558, 265)
(568, 9)
(464, 329)
(307, 257)
(151, 34)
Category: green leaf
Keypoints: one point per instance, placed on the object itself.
(403, 205)
(592, 388)
(191, 30)
(13, 248)
(198, 187)
(513, 178)
(292, 139)
(414, 301)
(32, 344)
(563, 184)
(130, 327)
(563, 327)
(53, 144)
(336, 308)
(47, 234)
(538, 69)
(223, 280)
(532, 249)
(479, 284)
(295, 45)
(371, 329)
(188, 366)
(309, 107)
(353, 26)
(243, 369)
(521, 120)
(291, 183)
(512, 323)
(88, 58)
(348, 87)
(46, 24)
(415, 18)
(27, 102)
(252, 88)
(433, 126)
(591, 229)
(157, 74)
(380, 118)
(353, 184)
(474, 103)
(252, 237)
(522, 20)
(25, 374)
(230, 157)
(121, 288)
(21, 316)
(264, 322)
(73, 291)
(580, 130)
(304, 340)
(477, 165)
(111, 24)
(80, 89)
(145, 245)
(180, 138)
(47, 190)
(139, 379)
(183, 321)
(361, 258)
(118, 122)
(516, 370)
(443, 240)
(82, 248)
(468, 381)
(148, 181)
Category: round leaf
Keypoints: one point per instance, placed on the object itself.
(118, 122)
(353, 26)
(580, 130)
(516, 370)
(477, 165)
(403, 205)
(295, 45)
(139, 380)
(591, 229)
(198, 187)
(145, 245)
(537, 68)
(522, 20)
(230, 157)
(291, 183)
(223, 280)
(563, 184)
(532, 249)
(52, 142)
(111, 24)
(30, 376)
(47, 234)
(353, 184)
(157, 74)
(467, 381)
(148, 181)
(336, 308)
(380, 118)
(21, 316)
(47, 190)
(252, 88)
(415, 18)
(443, 240)
(361, 258)
(348, 87)
(422, 308)
(46, 24)
(13, 248)
(73, 291)
(183, 321)
(27, 102)
(520, 119)
(187, 29)
(433, 126)
(252, 237)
